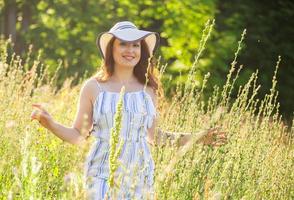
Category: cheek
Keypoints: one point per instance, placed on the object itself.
(139, 54)
(116, 55)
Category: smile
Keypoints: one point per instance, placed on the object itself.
(129, 57)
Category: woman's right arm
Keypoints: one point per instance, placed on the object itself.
(82, 123)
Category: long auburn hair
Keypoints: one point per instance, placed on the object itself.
(145, 63)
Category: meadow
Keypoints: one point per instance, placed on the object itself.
(256, 163)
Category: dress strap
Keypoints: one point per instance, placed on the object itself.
(98, 84)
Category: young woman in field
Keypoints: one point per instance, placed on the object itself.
(125, 50)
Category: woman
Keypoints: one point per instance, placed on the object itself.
(126, 51)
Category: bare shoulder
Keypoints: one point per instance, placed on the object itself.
(90, 85)
(90, 89)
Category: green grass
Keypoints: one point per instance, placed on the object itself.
(256, 163)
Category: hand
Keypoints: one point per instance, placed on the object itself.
(215, 137)
(43, 117)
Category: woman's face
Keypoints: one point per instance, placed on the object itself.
(126, 54)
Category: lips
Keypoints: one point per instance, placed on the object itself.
(129, 57)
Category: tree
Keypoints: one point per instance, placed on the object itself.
(270, 33)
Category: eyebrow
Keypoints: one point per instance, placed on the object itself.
(130, 42)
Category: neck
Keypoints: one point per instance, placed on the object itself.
(124, 76)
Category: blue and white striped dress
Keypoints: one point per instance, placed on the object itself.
(136, 170)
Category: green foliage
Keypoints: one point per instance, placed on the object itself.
(65, 32)
(1, 4)
(269, 34)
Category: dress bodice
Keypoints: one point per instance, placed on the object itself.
(138, 114)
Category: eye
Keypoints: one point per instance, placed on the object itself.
(136, 44)
(122, 43)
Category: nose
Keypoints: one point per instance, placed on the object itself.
(130, 48)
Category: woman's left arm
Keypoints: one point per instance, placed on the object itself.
(214, 137)
(156, 136)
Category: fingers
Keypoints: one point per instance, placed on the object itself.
(35, 115)
(215, 129)
(39, 106)
(218, 132)
(221, 135)
(217, 144)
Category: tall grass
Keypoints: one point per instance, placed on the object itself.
(256, 163)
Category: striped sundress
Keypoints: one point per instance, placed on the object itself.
(134, 175)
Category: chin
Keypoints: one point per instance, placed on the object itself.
(130, 65)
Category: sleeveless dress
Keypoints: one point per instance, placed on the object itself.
(134, 175)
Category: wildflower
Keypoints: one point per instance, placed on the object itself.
(114, 139)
